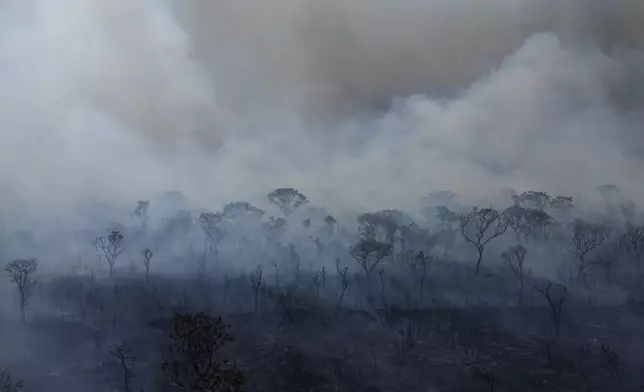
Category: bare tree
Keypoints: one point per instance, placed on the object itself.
(344, 283)
(316, 282)
(20, 272)
(418, 266)
(111, 247)
(287, 199)
(555, 301)
(7, 384)
(409, 336)
(147, 256)
(323, 276)
(612, 358)
(480, 226)
(256, 281)
(633, 242)
(586, 237)
(514, 258)
(122, 353)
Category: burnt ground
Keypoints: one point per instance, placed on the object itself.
(300, 341)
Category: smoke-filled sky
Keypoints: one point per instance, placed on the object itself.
(225, 99)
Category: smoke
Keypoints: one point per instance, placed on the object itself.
(379, 101)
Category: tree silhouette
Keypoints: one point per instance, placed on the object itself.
(147, 257)
(369, 252)
(555, 300)
(122, 353)
(480, 226)
(633, 242)
(586, 237)
(141, 213)
(20, 273)
(287, 199)
(191, 363)
(111, 247)
(212, 226)
(513, 258)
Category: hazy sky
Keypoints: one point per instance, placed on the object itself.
(227, 99)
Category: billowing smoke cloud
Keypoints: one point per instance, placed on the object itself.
(226, 99)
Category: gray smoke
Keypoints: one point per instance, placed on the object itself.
(120, 99)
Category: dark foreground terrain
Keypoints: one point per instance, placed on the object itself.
(299, 341)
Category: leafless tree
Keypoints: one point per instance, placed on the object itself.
(555, 301)
(418, 265)
(316, 282)
(514, 258)
(586, 238)
(122, 353)
(147, 256)
(112, 246)
(409, 336)
(612, 358)
(256, 281)
(344, 283)
(287, 199)
(323, 276)
(633, 242)
(20, 272)
(480, 226)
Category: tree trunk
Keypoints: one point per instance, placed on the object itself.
(22, 309)
(581, 268)
(478, 261)
(256, 300)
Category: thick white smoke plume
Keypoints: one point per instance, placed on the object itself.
(226, 99)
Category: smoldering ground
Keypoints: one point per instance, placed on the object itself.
(117, 100)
